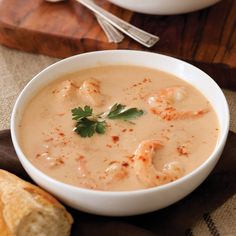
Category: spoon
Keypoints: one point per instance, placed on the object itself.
(112, 34)
(135, 33)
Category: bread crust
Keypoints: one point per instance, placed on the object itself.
(19, 198)
(3, 226)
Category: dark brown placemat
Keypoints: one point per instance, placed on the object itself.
(223, 75)
(173, 220)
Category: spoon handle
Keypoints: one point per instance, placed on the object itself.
(113, 35)
(135, 33)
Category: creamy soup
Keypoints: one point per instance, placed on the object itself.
(174, 132)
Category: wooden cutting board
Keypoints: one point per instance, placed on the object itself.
(67, 28)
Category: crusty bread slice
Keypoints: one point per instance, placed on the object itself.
(26, 210)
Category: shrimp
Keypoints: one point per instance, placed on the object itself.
(116, 171)
(162, 104)
(66, 89)
(90, 91)
(145, 170)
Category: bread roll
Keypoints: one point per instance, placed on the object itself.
(26, 210)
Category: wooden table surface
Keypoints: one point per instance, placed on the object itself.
(203, 38)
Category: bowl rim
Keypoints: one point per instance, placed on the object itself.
(23, 159)
(158, 8)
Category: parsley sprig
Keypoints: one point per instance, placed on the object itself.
(88, 123)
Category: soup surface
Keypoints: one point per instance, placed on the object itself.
(174, 134)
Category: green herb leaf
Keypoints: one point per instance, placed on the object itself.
(116, 109)
(85, 127)
(118, 112)
(79, 113)
(87, 123)
(101, 127)
(127, 115)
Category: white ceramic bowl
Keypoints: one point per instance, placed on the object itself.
(164, 7)
(129, 202)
